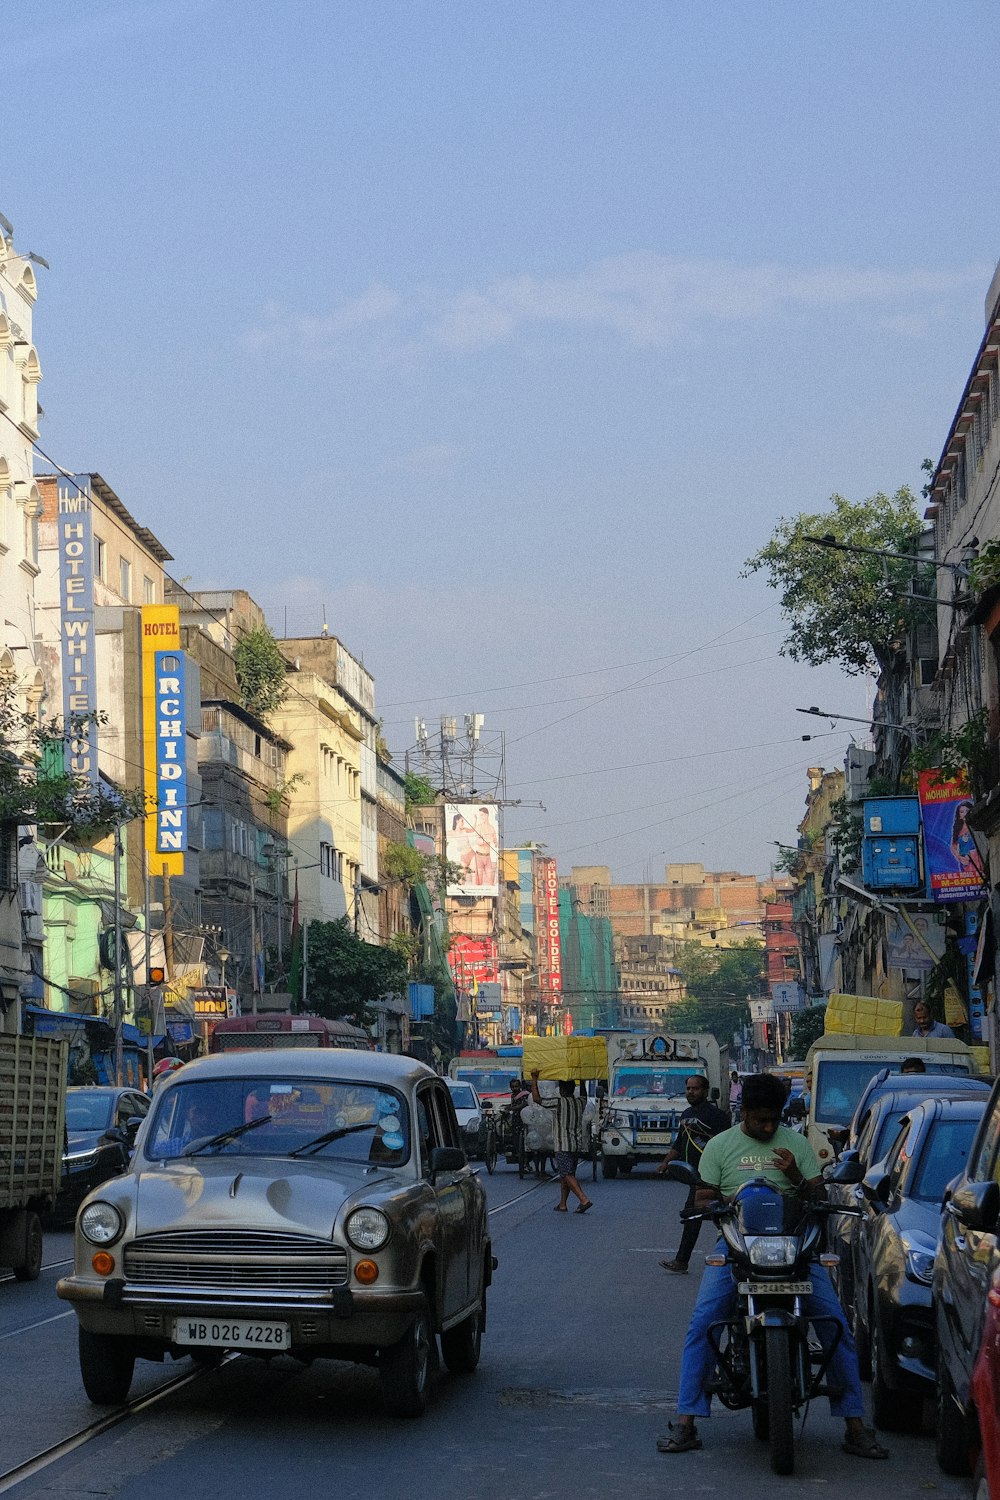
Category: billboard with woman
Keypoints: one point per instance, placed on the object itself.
(472, 844)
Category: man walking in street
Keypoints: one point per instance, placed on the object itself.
(695, 1128)
(925, 1023)
(567, 1137)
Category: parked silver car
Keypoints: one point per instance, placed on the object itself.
(307, 1203)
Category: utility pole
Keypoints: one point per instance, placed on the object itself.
(119, 1002)
(168, 925)
(253, 943)
(305, 965)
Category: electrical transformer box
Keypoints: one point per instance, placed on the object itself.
(890, 846)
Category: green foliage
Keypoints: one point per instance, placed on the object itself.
(807, 1028)
(718, 982)
(984, 572)
(260, 671)
(418, 791)
(402, 862)
(381, 743)
(846, 833)
(35, 786)
(841, 606)
(346, 976)
(954, 751)
(407, 945)
(277, 794)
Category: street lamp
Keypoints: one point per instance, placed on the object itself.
(223, 955)
(821, 713)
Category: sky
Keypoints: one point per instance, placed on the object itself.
(499, 335)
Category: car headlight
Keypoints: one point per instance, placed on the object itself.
(920, 1265)
(367, 1229)
(101, 1223)
(472, 1127)
(621, 1118)
(82, 1159)
(771, 1251)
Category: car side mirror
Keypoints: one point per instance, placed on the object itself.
(848, 1172)
(875, 1186)
(977, 1205)
(447, 1159)
(116, 1133)
(132, 1125)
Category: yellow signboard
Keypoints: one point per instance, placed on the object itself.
(161, 631)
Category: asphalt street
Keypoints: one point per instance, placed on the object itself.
(579, 1369)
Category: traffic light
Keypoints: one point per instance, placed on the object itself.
(770, 1036)
(156, 975)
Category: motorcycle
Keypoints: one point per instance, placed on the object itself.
(765, 1359)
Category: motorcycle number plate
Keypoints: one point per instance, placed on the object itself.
(775, 1288)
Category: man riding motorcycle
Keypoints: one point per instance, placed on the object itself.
(760, 1147)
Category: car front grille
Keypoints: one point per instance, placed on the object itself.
(654, 1122)
(242, 1260)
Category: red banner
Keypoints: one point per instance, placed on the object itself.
(551, 922)
(473, 959)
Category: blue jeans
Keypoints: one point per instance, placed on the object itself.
(716, 1301)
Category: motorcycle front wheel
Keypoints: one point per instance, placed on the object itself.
(780, 1410)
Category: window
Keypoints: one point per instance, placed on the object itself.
(8, 856)
(126, 579)
(148, 591)
(100, 559)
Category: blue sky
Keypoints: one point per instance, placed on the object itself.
(504, 333)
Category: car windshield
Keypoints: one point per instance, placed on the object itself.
(350, 1121)
(841, 1082)
(944, 1156)
(89, 1111)
(631, 1084)
(462, 1096)
(487, 1082)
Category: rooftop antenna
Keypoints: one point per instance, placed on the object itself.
(326, 628)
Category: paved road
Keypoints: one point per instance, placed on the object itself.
(579, 1364)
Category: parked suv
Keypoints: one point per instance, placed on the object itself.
(967, 1261)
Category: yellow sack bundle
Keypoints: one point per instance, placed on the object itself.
(558, 1057)
(863, 1015)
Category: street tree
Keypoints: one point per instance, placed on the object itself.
(807, 1028)
(347, 976)
(843, 607)
(718, 981)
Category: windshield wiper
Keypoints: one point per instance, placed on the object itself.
(226, 1135)
(320, 1141)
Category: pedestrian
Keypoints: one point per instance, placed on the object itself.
(761, 1147)
(567, 1137)
(926, 1024)
(735, 1095)
(913, 1065)
(697, 1125)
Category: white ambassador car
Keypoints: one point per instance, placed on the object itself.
(314, 1203)
(469, 1114)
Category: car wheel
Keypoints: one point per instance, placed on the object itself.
(861, 1340)
(892, 1411)
(26, 1262)
(980, 1483)
(405, 1369)
(106, 1365)
(461, 1345)
(951, 1434)
(609, 1166)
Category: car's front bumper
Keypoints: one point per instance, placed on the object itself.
(341, 1317)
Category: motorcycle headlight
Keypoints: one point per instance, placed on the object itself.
(101, 1223)
(920, 1265)
(772, 1251)
(367, 1229)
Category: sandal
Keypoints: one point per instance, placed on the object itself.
(864, 1444)
(584, 1206)
(677, 1266)
(683, 1439)
(560, 1208)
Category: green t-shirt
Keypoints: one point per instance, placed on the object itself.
(734, 1158)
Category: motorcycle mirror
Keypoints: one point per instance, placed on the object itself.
(679, 1171)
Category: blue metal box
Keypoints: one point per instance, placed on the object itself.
(891, 864)
(891, 815)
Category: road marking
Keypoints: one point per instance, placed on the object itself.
(30, 1326)
(511, 1201)
(49, 1266)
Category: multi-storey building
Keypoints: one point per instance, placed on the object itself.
(690, 904)
(20, 504)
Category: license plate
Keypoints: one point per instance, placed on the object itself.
(775, 1288)
(657, 1139)
(231, 1333)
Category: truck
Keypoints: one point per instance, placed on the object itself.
(32, 1141)
(840, 1066)
(489, 1070)
(646, 1095)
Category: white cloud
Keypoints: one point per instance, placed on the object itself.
(643, 298)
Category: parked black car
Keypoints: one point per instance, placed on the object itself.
(100, 1127)
(875, 1126)
(968, 1258)
(894, 1252)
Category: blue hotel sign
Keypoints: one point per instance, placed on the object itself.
(171, 763)
(77, 641)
